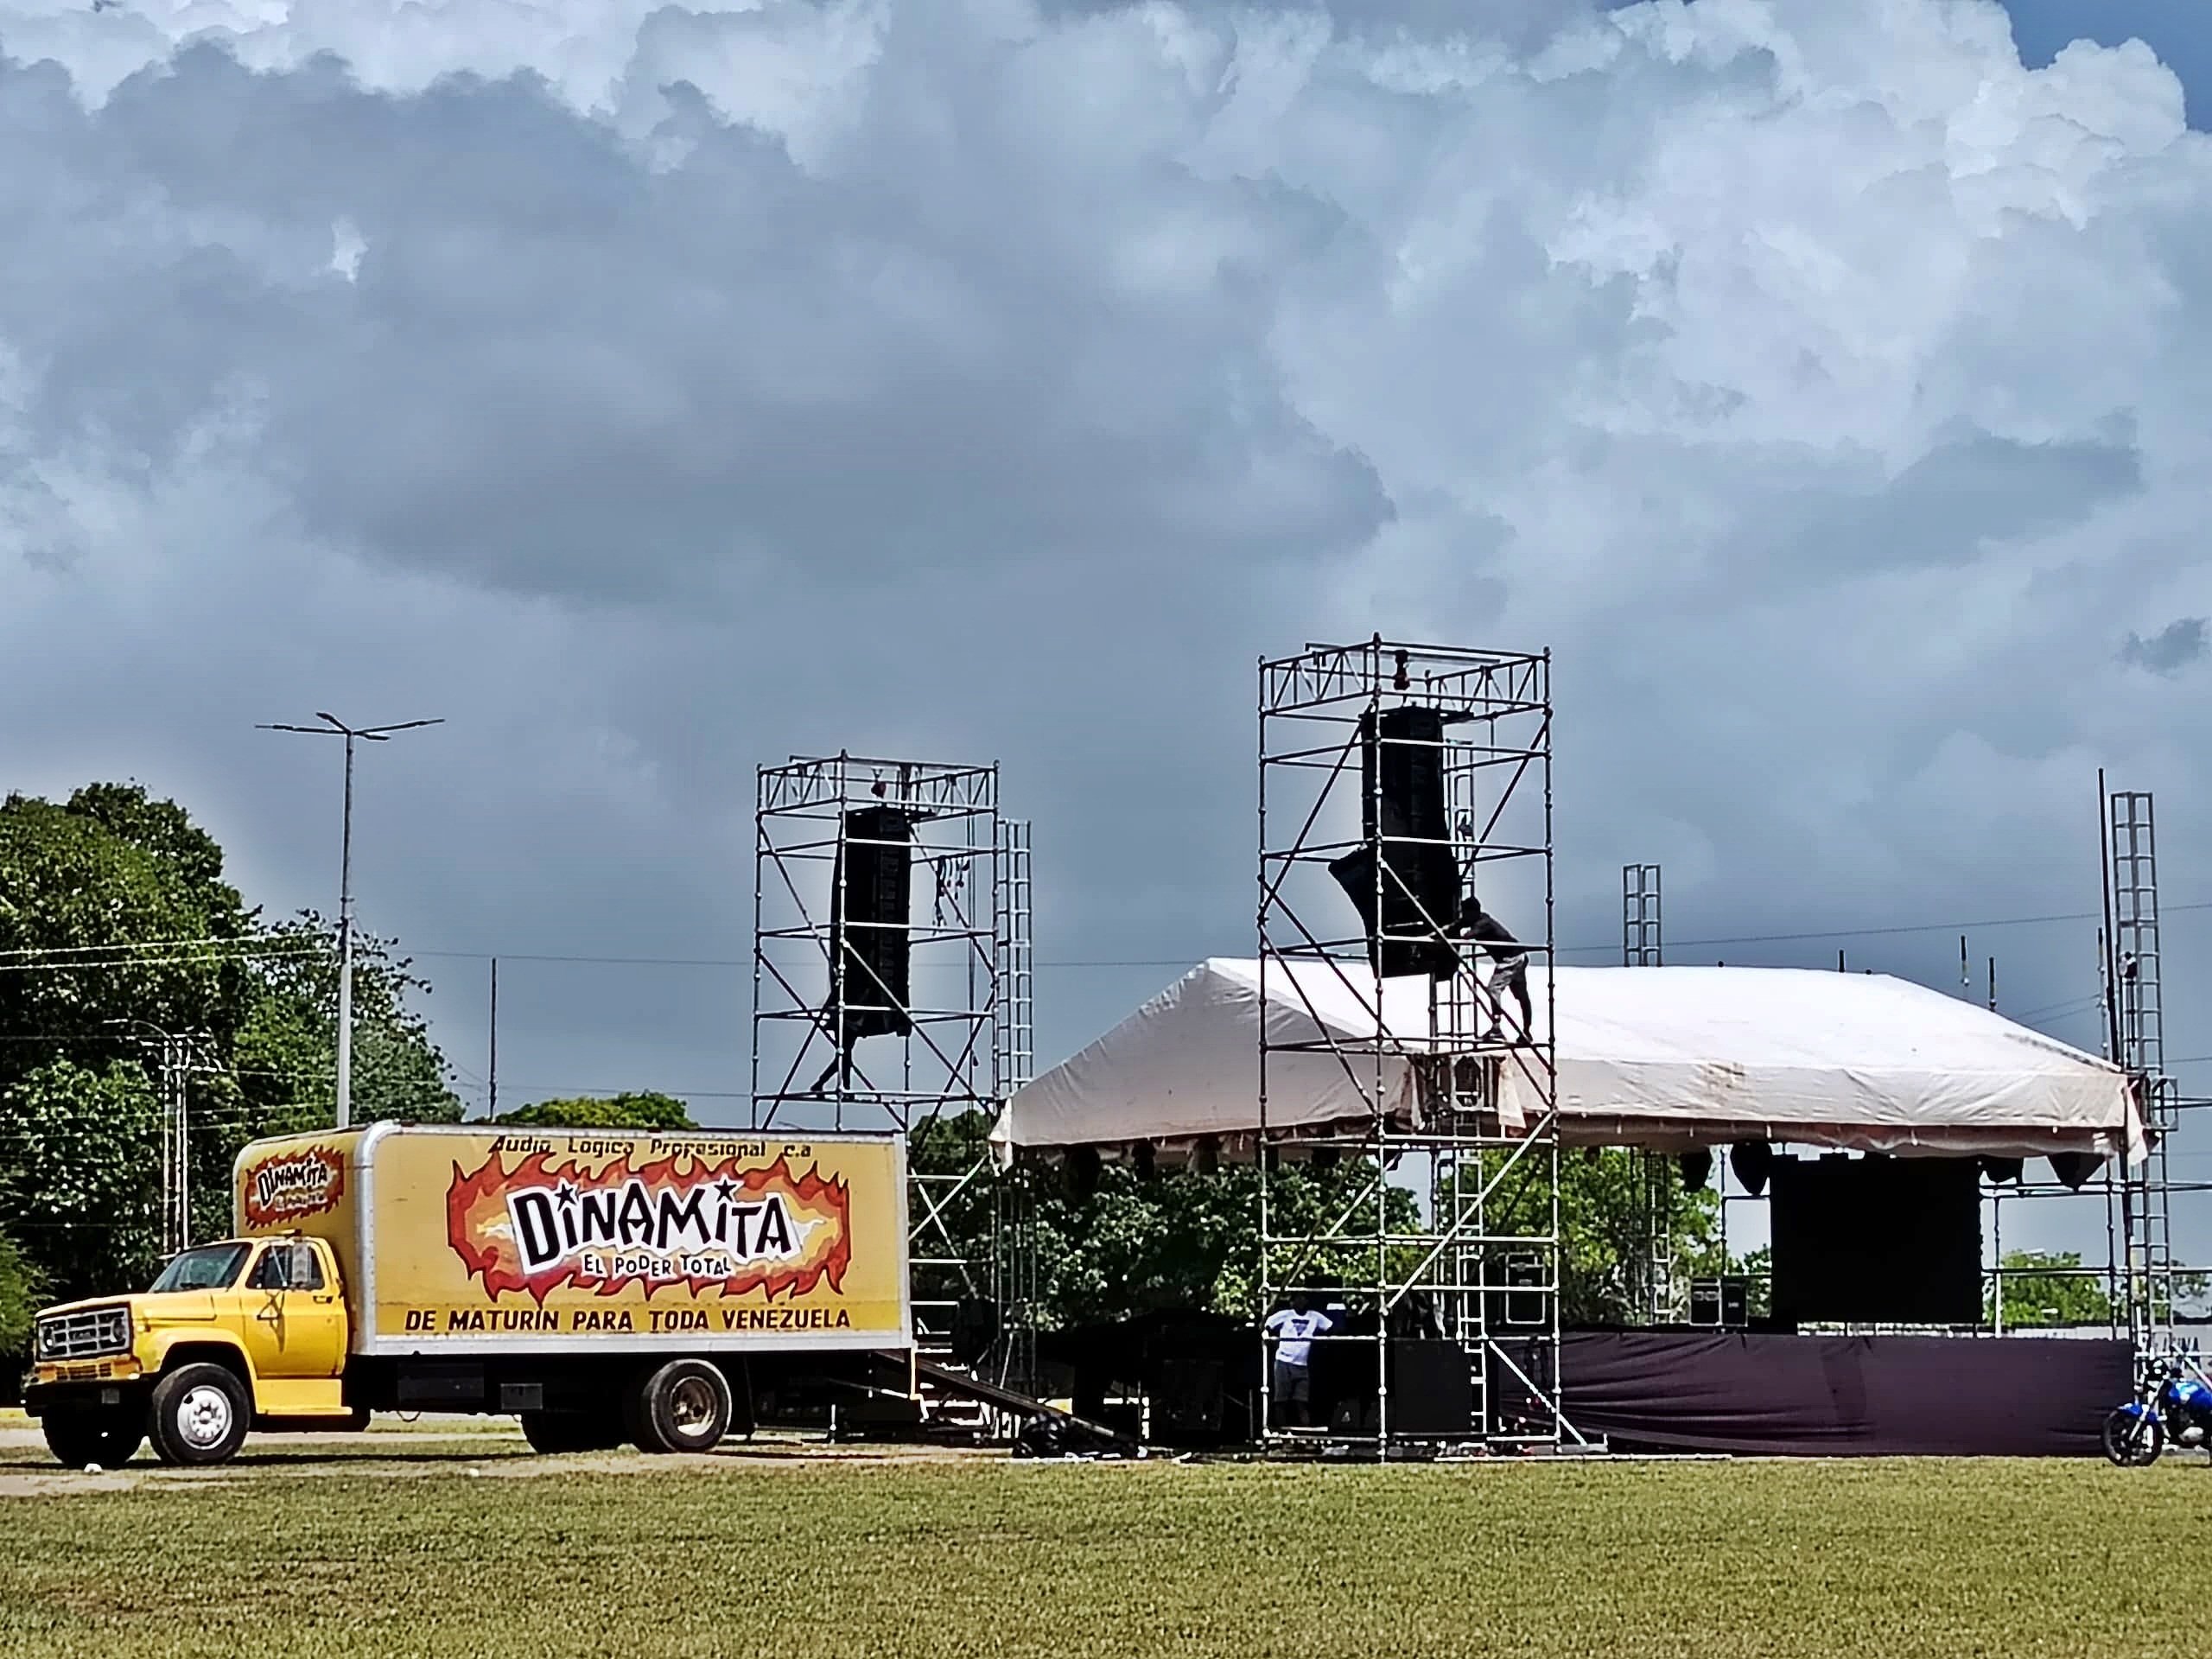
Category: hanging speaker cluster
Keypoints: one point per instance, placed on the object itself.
(1404, 877)
(870, 901)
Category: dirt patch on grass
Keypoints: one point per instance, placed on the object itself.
(468, 1449)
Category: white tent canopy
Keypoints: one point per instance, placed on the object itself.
(1664, 1057)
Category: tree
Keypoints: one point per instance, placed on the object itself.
(22, 1292)
(121, 938)
(1603, 1225)
(80, 1184)
(1128, 1243)
(282, 1071)
(626, 1111)
(117, 931)
(2049, 1288)
(1131, 1243)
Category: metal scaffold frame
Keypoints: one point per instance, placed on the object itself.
(1455, 1235)
(2139, 1273)
(2135, 1010)
(1654, 1292)
(845, 1049)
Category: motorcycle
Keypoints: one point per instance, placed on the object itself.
(2172, 1402)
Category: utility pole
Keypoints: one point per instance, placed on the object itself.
(492, 1076)
(333, 727)
(179, 1056)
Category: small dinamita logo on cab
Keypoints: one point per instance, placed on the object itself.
(288, 1186)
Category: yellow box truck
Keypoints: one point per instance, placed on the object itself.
(604, 1286)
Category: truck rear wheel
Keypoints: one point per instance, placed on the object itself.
(684, 1407)
(199, 1415)
(107, 1438)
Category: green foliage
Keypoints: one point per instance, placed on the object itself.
(2048, 1288)
(115, 901)
(82, 893)
(1191, 1240)
(1603, 1207)
(1132, 1244)
(80, 1184)
(628, 1111)
(22, 1291)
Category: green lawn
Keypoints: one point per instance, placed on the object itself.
(836, 1560)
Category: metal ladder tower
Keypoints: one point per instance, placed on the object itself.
(2138, 1042)
(1652, 1290)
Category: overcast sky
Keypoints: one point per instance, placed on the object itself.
(654, 392)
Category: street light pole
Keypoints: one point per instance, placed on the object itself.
(346, 947)
(333, 727)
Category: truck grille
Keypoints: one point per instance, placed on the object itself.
(81, 1336)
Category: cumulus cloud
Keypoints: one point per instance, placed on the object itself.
(656, 391)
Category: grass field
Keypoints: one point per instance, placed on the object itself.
(469, 1545)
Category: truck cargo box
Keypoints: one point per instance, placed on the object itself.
(477, 1239)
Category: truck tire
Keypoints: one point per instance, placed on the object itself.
(199, 1415)
(682, 1407)
(107, 1438)
(552, 1432)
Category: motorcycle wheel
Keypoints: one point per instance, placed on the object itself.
(2133, 1442)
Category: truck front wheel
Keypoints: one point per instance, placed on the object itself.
(684, 1407)
(106, 1437)
(200, 1414)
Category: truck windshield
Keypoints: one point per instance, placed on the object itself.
(212, 1267)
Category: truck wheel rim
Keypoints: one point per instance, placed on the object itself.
(203, 1416)
(691, 1408)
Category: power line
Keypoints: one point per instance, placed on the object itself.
(222, 940)
(1184, 962)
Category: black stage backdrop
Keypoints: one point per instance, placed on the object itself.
(1831, 1396)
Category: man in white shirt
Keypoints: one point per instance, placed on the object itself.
(1293, 1330)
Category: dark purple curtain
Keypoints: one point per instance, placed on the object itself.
(1805, 1395)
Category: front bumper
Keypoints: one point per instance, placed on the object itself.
(85, 1385)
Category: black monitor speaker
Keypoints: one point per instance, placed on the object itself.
(871, 896)
(1877, 1240)
(1404, 879)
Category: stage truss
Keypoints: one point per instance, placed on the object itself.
(961, 1042)
(1452, 1233)
(2143, 1282)
(1655, 1292)
(2141, 1278)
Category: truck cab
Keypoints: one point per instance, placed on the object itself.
(239, 1333)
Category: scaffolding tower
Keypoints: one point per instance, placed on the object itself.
(1641, 943)
(1653, 1291)
(1394, 779)
(2135, 1009)
(892, 993)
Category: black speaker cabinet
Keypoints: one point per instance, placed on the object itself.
(871, 897)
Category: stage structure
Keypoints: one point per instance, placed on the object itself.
(2139, 1275)
(2135, 1014)
(1398, 783)
(1653, 1291)
(893, 992)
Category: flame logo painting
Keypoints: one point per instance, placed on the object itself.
(292, 1185)
(707, 1226)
